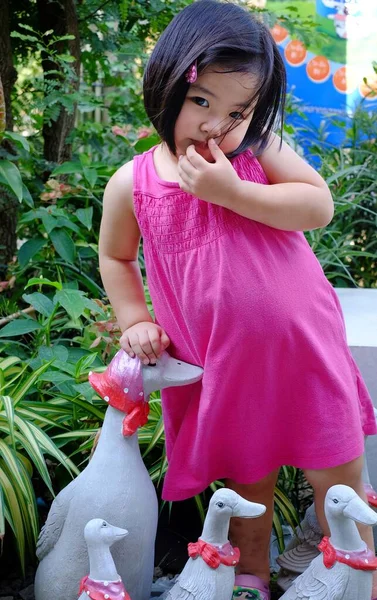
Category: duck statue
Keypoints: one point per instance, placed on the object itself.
(209, 573)
(103, 581)
(115, 485)
(303, 548)
(344, 569)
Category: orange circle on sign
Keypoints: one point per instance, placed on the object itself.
(318, 69)
(295, 53)
(369, 90)
(344, 80)
(279, 33)
(340, 80)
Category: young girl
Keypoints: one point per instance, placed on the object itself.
(221, 205)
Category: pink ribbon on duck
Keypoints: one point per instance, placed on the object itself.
(213, 555)
(121, 386)
(364, 560)
(103, 590)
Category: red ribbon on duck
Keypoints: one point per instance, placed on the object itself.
(362, 560)
(214, 557)
(121, 386)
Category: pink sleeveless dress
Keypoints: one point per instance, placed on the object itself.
(252, 306)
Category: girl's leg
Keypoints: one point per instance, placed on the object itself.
(252, 536)
(349, 474)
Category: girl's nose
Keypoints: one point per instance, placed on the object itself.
(211, 128)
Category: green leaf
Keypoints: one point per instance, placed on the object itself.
(19, 327)
(146, 143)
(30, 249)
(85, 216)
(43, 281)
(63, 245)
(67, 167)
(61, 38)
(87, 406)
(40, 302)
(49, 222)
(200, 507)
(2, 513)
(22, 389)
(18, 138)
(9, 411)
(54, 377)
(48, 445)
(10, 458)
(12, 177)
(72, 301)
(53, 353)
(90, 176)
(14, 513)
(66, 58)
(33, 448)
(27, 197)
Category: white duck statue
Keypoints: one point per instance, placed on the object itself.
(344, 569)
(115, 485)
(103, 581)
(209, 573)
(299, 553)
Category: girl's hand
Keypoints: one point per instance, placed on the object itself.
(145, 340)
(213, 182)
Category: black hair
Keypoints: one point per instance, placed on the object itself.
(224, 35)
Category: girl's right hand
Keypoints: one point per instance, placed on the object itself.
(145, 340)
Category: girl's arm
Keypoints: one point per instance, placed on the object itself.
(298, 198)
(120, 272)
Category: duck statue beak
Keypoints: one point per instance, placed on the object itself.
(248, 510)
(120, 533)
(359, 511)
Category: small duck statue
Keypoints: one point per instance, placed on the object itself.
(209, 573)
(103, 581)
(344, 569)
(115, 485)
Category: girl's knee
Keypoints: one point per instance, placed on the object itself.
(348, 474)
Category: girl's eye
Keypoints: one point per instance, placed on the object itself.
(236, 115)
(200, 101)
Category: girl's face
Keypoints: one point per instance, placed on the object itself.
(214, 104)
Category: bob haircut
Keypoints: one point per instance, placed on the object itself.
(224, 36)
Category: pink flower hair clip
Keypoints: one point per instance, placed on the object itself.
(191, 74)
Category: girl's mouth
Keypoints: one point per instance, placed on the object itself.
(200, 145)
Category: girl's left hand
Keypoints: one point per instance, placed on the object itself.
(213, 182)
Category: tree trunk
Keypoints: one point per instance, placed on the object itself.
(61, 17)
(8, 223)
(8, 209)
(8, 73)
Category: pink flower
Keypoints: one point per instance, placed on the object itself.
(123, 131)
(144, 132)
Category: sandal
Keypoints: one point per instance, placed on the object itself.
(249, 587)
(371, 494)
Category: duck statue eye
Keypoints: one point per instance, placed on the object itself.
(104, 524)
(220, 504)
(336, 501)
